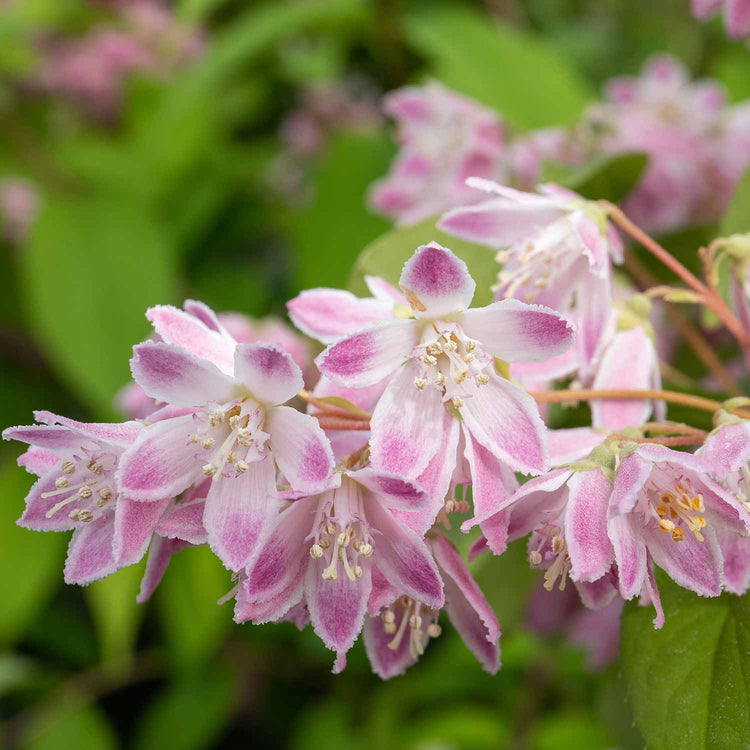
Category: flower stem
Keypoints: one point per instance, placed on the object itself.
(709, 297)
(670, 441)
(336, 423)
(331, 409)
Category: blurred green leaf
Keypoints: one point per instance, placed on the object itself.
(190, 713)
(72, 724)
(334, 228)
(574, 729)
(193, 622)
(529, 82)
(91, 268)
(466, 727)
(386, 256)
(608, 178)
(32, 561)
(687, 681)
(325, 723)
(736, 220)
(115, 612)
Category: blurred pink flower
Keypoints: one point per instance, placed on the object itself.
(19, 203)
(736, 14)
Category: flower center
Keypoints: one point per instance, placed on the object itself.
(420, 619)
(230, 438)
(452, 363)
(548, 548)
(341, 536)
(86, 482)
(678, 509)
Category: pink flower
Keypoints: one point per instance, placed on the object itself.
(665, 508)
(445, 137)
(327, 549)
(736, 14)
(19, 203)
(443, 383)
(727, 453)
(397, 636)
(530, 153)
(555, 250)
(229, 424)
(77, 464)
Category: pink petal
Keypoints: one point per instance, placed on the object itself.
(653, 594)
(436, 282)
(168, 373)
(118, 433)
(467, 607)
(586, 525)
(337, 608)
(515, 331)
(269, 373)
(272, 610)
(488, 481)
(191, 334)
(737, 18)
(694, 565)
(391, 489)
(632, 475)
(385, 292)
(282, 560)
(385, 661)
(499, 222)
(597, 594)
(630, 554)
(239, 510)
(365, 358)
(204, 313)
(572, 444)
(35, 514)
(704, 9)
(134, 524)
(382, 594)
(90, 555)
(161, 463)
(727, 449)
(38, 461)
(594, 307)
(506, 421)
(329, 314)
(159, 555)
(300, 447)
(736, 552)
(478, 547)
(629, 362)
(52, 438)
(184, 521)
(406, 426)
(403, 558)
(594, 243)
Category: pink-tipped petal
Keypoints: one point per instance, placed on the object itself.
(467, 607)
(248, 607)
(329, 314)
(629, 362)
(184, 521)
(391, 489)
(161, 463)
(239, 510)
(117, 433)
(727, 449)
(597, 594)
(630, 555)
(337, 608)
(191, 334)
(653, 594)
(269, 373)
(159, 555)
(385, 292)
(406, 426)
(436, 282)
(90, 555)
(589, 547)
(488, 484)
(169, 373)
(300, 447)
(517, 332)
(38, 461)
(385, 661)
(404, 559)
(369, 356)
(382, 594)
(506, 421)
(134, 525)
(53, 438)
(694, 565)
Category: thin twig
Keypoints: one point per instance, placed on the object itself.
(326, 408)
(335, 423)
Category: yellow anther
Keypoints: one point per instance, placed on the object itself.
(483, 379)
(420, 383)
(85, 516)
(95, 467)
(316, 551)
(458, 402)
(389, 616)
(68, 467)
(662, 511)
(61, 482)
(207, 443)
(208, 469)
(666, 526)
(415, 621)
(535, 558)
(471, 345)
(85, 492)
(678, 534)
(241, 466)
(434, 630)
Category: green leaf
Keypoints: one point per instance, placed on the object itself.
(337, 224)
(193, 622)
(32, 561)
(608, 178)
(688, 682)
(343, 403)
(91, 268)
(115, 612)
(71, 724)
(386, 256)
(737, 217)
(518, 74)
(190, 713)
